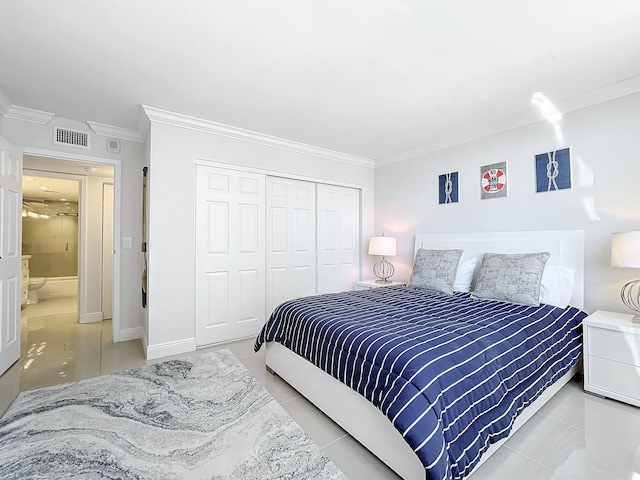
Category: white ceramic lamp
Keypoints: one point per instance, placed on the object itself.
(625, 252)
(384, 247)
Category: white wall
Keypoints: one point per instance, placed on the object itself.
(92, 261)
(35, 138)
(604, 142)
(173, 152)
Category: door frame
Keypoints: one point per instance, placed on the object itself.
(117, 214)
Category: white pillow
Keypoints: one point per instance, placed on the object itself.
(556, 285)
(464, 275)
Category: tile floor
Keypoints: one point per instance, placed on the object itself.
(574, 436)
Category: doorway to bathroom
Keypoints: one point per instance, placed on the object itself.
(67, 241)
(49, 235)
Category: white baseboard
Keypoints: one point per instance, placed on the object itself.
(91, 317)
(130, 334)
(170, 348)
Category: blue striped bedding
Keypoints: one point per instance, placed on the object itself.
(450, 372)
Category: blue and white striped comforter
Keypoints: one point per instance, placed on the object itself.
(450, 372)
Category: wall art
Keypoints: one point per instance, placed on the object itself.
(553, 170)
(493, 180)
(448, 187)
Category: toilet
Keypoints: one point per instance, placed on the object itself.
(35, 283)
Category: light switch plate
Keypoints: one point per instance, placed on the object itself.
(126, 242)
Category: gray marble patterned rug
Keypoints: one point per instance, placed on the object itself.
(203, 417)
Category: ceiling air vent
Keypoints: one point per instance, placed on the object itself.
(76, 138)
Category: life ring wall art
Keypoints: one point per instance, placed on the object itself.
(493, 180)
(553, 170)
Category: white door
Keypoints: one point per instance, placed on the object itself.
(291, 240)
(338, 238)
(230, 255)
(10, 253)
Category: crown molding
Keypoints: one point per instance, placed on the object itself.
(573, 103)
(5, 104)
(116, 132)
(8, 110)
(179, 120)
(29, 115)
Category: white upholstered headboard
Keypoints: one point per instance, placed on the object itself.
(565, 246)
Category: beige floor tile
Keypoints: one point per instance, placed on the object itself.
(356, 462)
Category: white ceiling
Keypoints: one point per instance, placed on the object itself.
(380, 79)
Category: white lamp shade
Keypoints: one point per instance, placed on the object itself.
(384, 246)
(625, 250)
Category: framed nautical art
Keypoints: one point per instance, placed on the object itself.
(493, 180)
(553, 170)
(448, 188)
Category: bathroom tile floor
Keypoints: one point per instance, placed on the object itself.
(574, 436)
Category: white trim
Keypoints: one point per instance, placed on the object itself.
(117, 220)
(29, 115)
(192, 123)
(145, 342)
(5, 103)
(116, 132)
(170, 348)
(8, 110)
(91, 317)
(130, 334)
(272, 173)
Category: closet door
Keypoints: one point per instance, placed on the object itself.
(338, 238)
(291, 240)
(230, 254)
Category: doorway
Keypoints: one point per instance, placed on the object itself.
(75, 259)
(96, 183)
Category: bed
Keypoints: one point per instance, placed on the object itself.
(388, 372)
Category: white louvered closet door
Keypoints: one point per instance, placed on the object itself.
(338, 238)
(230, 254)
(291, 240)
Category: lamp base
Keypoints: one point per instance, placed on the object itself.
(630, 295)
(384, 271)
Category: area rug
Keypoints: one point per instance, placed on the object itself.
(203, 417)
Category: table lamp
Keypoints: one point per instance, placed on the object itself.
(385, 247)
(625, 252)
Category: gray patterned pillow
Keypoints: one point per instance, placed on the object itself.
(511, 278)
(435, 269)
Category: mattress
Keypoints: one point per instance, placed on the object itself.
(450, 372)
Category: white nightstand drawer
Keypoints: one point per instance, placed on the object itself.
(613, 379)
(614, 345)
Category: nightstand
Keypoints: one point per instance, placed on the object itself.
(612, 356)
(369, 284)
